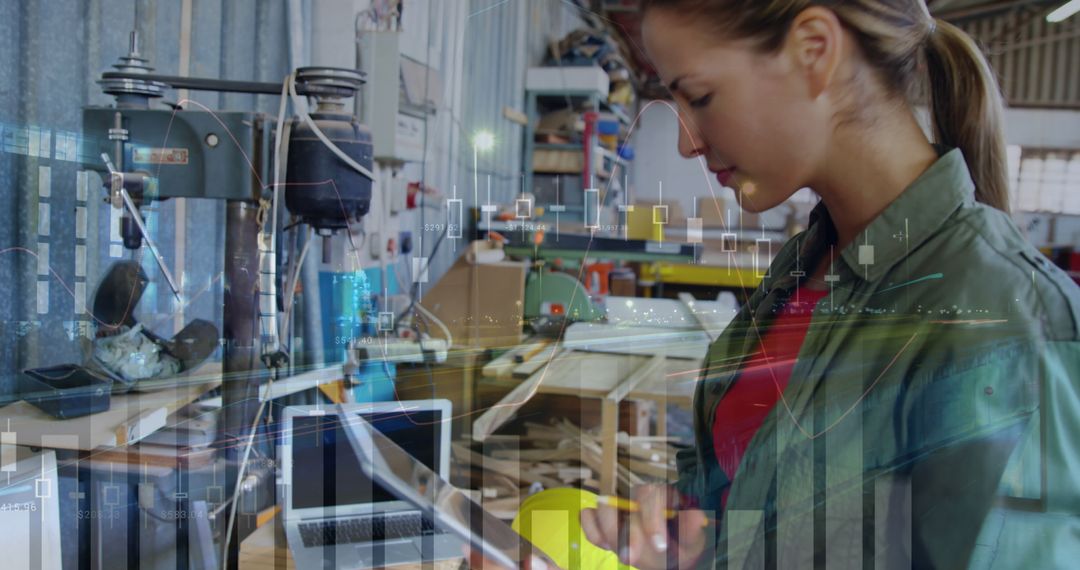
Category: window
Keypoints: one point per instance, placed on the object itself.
(1044, 180)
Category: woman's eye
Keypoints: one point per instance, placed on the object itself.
(701, 102)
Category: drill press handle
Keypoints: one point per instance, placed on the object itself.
(118, 186)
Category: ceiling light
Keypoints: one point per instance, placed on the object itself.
(1063, 13)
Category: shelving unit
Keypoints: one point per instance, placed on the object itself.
(583, 87)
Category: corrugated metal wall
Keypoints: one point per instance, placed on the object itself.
(502, 40)
(484, 58)
(1037, 62)
(51, 54)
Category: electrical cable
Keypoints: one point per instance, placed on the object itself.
(290, 287)
(422, 271)
(399, 276)
(240, 471)
(268, 314)
(439, 323)
(293, 252)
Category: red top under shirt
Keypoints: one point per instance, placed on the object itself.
(744, 407)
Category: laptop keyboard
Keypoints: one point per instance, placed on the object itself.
(365, 529)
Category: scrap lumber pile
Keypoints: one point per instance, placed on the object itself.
(511, 467)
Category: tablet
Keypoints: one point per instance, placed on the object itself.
(395, 469)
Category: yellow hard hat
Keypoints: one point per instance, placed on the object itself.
(551, 520)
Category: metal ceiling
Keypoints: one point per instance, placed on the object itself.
(1038, 64)
(954, 10)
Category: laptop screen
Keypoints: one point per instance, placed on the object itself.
(325, 470)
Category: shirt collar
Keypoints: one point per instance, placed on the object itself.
(908, 221)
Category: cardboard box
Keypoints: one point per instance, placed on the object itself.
(481, 304)
(563, 122)
(549, 161)
(452, 380)
(714, 214)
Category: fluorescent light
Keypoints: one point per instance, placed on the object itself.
(1062, 13)
(484, 141)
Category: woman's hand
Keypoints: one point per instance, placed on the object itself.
(641, 537)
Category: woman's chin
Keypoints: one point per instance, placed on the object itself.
(754, 199)
(749, 196)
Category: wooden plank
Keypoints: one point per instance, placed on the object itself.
(142, 425)
(592, 454)
(689, 344)
(515, 116)
(604, 372)
(504, 508)
(710, 323)
(539, 359)
(653, 470)
(495, 368)
(499, 438)
(568, 474)
(642, 453)
(301, 382)
(158, 455)
(503, 366)
(498, 414)
(125, 411)
(509, 469)
(589, 375)
(537, 454)
(653, 439)
(648, 372)
(609, 418)
(530, 351)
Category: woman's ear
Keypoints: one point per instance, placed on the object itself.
(815, 44)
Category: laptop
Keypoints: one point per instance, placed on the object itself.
(409, 478)
(335, 516)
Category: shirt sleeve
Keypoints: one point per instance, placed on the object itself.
(963, 417)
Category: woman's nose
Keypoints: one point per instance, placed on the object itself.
(690, 142)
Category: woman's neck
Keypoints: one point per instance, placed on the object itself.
(866, 169)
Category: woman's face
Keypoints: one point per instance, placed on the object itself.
(751, 115)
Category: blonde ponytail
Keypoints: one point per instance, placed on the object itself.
(967, 110)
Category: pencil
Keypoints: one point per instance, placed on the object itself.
(629, 505)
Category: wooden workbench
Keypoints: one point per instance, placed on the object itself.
(608, 378)
(595, 375)
(130, 416)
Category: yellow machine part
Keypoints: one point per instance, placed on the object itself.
(705, 275)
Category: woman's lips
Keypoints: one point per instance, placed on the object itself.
(724, 176)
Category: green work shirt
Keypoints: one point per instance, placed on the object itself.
(930, 418)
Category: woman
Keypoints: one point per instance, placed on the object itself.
(899, 390)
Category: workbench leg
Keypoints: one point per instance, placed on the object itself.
(468, 391)
(661, 418)
(609, 425)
